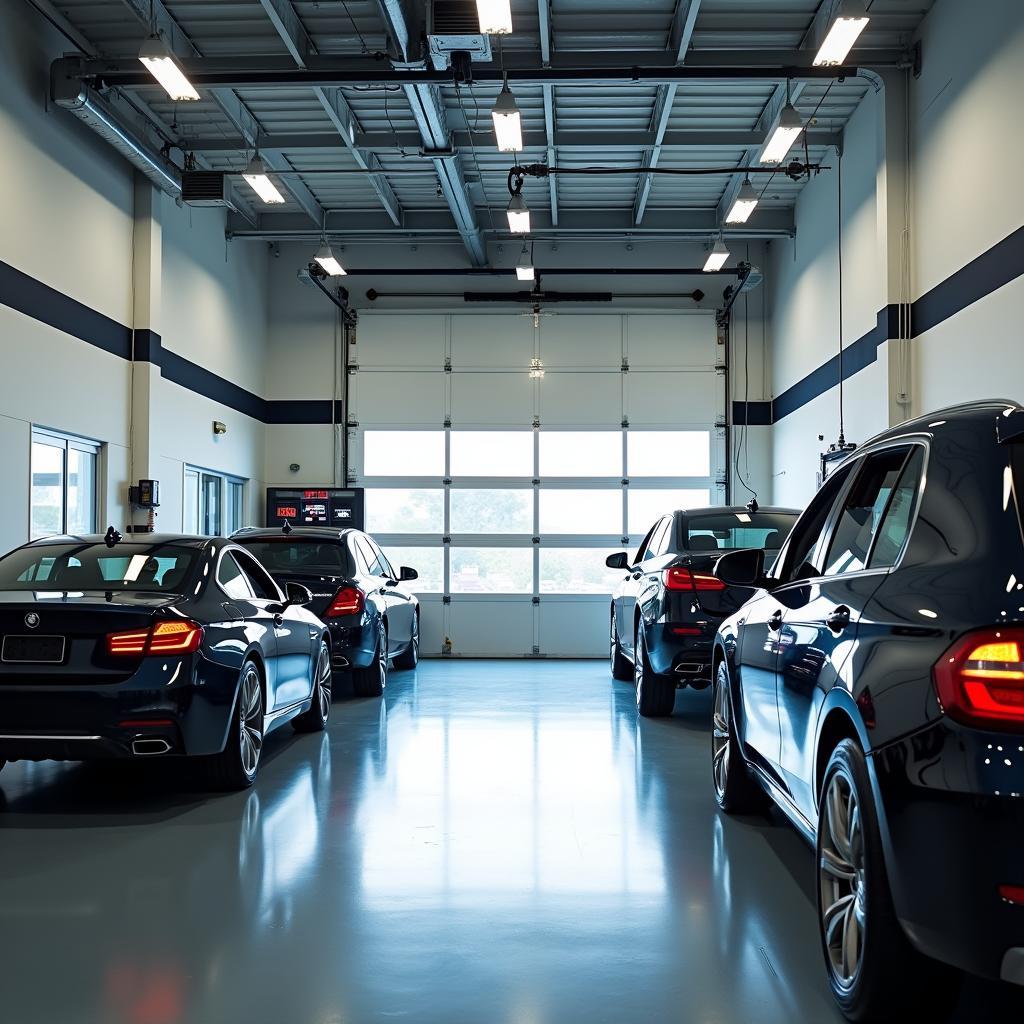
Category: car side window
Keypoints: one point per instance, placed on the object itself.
(641, 553)
(799, 558)
(862, 511)
(382, 561)
(892, 534)
(373, 567)
(657, 545)
(232, 580)
(263, 585)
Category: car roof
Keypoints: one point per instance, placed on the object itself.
(296, 533)
(187, 540)
(736, 510)
(982, 412)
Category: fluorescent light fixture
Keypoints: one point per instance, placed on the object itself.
(158, 61)
(508, 123)
(256, 175)
(328, 261)
(781, 140)
(524, 268)
(850, 20)
(495, 17)
(743, 205)
(518, 216)
(717, 257)
(536, 369)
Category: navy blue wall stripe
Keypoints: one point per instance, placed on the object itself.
(752, 414)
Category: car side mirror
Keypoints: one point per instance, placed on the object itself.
(297, 594)
(620, 560)
(741, 568)
(407, 575)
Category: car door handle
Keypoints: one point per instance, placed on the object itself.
(839, 619)
(637, 575)
(775, 621)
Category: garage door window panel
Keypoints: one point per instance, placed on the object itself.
(492, 453)
(403, 453)
(581, 453)
(647, 505)
(581, 511)
(475, 511)
(668, 453)
(492, 570)
(428, 562)
(404, 510)
(577, 571)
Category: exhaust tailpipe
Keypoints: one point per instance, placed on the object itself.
(150, 748)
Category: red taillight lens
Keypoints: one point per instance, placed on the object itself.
(172, 636)
(1012, 894)
(980, 679)
(347, 601)
(678, 578)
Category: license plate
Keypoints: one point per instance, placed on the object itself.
(33, 649)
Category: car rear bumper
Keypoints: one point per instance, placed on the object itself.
(952, 810)
(168, 708)
(353, 642)
(686, 658)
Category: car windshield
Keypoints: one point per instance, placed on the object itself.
(76, 566)
(729, 531)
(302, 555)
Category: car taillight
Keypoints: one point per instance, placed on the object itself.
(347, 601)
(678, 578)
(980, 679)
(171, 636)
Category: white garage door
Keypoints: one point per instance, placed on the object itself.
(504, 456)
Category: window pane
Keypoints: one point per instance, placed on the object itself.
(581, 453)
(190, 518)
(404, 510)
(492, 453)
(81, 491)
(645, 506)
(47, 489)
(862, 512)
(581, 511)
(577, 571)
(235, 511)
(896, 525)
(403, 453)
(669, 453)
(428, 562)
(492, 571)
(504, 511)
(211, 516)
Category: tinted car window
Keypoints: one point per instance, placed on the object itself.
(800, 560)
(892, 534)
(657, 544)
(76, 566)
(232, 580)
(382, 560)
(641, 553)
(263, 585)
(306, 555)
(862, 512)
(729, 531)
(369, 557)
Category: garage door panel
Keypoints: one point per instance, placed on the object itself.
(397, 398)
(575, 628)
(491, 341)
(401, 341)
(501, 399)
(432, 632)
(672, 399)
(671, 341)
(491, 628)
(581, 341)
(581, 399)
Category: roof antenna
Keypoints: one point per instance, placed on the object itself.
(287, 528)
(752, 505)
(112, 538)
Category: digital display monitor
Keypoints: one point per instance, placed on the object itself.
(315, 506)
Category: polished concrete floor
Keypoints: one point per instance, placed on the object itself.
(494, 842)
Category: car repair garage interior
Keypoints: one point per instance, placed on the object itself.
(512, 511)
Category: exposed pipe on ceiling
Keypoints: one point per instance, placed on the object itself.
(545, 272)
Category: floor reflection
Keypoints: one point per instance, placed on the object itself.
(492, 842)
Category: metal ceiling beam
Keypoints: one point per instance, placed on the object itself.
(566, 141)
(582, 223)
(546, 46)
(764, 124)
(302, 48)
(683, 22)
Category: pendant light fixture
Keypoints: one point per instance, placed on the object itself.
(786, 131)
(495, 17)
(717, 257)
(508, 122)
(851, 18)
(328, 261)
(157, 60)
(518, 215)
(524, 268)
(744, 204)
(259, 181)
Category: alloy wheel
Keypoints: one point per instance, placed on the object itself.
(323, 683)
(250, 720)
(720, 742)
(841, 879)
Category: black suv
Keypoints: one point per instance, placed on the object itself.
(372, 617)
(874, 688)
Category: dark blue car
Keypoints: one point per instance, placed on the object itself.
(165, 646)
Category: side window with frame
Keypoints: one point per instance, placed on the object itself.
(232, 580)
(892, 534)
(657, 544)
(369, 557)
(862, 511)
(798, 561)
(641, 552)
(382, 560)
(262, 584)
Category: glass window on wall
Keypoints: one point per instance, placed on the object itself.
(64, 488)
(213, 504)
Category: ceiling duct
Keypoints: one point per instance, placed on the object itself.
(453, 27)
(207, 188)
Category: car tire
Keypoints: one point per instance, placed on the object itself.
(655, 694)
(410, 657)
(236, 765)
(873, 971)
(622, 667)
(315, 719)
(736, 790)
(370, 681)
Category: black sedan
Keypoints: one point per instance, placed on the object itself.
(373, 619)
(163, 646)
(668, 606)
(874, 688)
